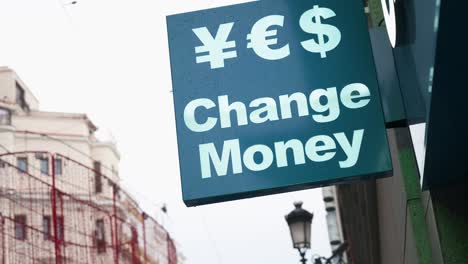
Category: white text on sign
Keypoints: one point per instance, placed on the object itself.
(325, 106)
(215, 48)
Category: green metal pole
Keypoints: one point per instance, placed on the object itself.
(416, 213)
(376, 14)
(409, 170)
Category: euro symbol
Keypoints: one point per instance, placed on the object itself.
(259, 42)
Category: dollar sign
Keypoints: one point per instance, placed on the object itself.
(311, 23)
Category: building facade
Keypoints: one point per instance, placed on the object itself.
(419, 214)
(60, 194)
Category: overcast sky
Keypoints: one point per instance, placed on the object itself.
(109, 59)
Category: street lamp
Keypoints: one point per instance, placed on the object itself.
(300, 221)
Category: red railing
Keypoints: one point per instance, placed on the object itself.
(54, 209)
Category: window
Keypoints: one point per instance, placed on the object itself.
(3, 170)
(5, 117)
(20, 227)
(44, 166)
(60, 228)
(22, 164)
(19, 94)
(100, 236)
(46, 227)
(20, 98)
(58, 166)
(97, 177)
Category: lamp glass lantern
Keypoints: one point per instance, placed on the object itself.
(300, 222)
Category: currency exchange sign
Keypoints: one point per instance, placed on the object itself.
(274, 96)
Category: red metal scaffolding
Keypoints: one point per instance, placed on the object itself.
(54, 209)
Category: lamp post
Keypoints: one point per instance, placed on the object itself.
(300, 221)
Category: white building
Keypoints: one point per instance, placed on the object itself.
(93, 219)
(335, 230)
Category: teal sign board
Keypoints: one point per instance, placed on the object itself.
(274, 96)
